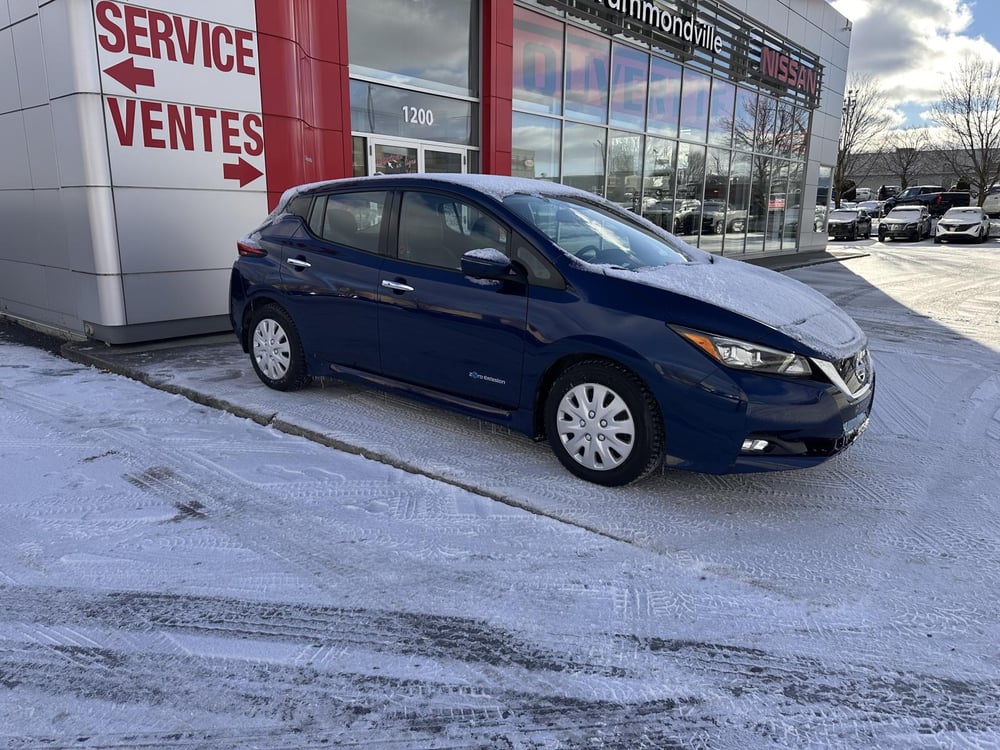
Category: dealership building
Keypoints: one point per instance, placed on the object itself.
(142, 138)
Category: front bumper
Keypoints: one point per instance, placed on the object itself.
(743, 422)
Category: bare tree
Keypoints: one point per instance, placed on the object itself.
(903, 154)
(864, 121)
(968, 112)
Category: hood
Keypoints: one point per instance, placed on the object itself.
(770, 298)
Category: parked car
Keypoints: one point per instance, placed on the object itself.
(663, 211)
(849, 224)
(711, 216)
(874, 208)
(934, 197)
(991, 202)
(967, 223)
(910, 222)
(555, 313)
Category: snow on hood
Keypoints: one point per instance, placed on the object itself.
(766, 296)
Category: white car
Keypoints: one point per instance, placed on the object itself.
(966, 223)
(991, 203)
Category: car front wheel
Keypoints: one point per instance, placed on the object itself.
(276, 350)
(603, 424)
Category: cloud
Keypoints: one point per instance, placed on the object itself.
(911, 48)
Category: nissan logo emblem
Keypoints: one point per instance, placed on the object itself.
(861, 367)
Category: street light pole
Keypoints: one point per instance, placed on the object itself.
(845, 142)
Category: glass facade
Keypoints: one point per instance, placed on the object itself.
(721, 163)
(406, 84)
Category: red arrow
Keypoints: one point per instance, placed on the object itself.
(242, 170)
(129, 76)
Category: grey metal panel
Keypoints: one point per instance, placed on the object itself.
(153, 297)
(81, 141)
(88, 223)
(68, 36)
(161, 230)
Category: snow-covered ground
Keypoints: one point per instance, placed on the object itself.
(174, 575)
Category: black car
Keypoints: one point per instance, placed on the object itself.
(709, 217)
(849, 223)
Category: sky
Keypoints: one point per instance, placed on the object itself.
(910, 48)
(173, 575)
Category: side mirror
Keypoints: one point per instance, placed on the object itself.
(486, 263)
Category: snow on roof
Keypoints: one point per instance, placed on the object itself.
(496, 186)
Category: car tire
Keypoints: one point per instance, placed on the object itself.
(853, 235)
(881, 236)
(276, 349)
(579, 407)
(937, 240)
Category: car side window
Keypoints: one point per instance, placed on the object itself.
(352, 219)
(436, 230)
(300, 206)
(539, 270)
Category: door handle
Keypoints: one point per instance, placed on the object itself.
(297, 263)
(396, 286)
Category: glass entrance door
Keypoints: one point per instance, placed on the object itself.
(400, 157)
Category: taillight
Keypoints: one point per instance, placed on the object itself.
(250, 250)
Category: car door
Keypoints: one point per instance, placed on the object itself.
(439, 328)
(330, 277)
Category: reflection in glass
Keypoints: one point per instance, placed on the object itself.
(784, 129)
(387, 110)
(745, 120)
(391, 159)
(779, 206)
(800, 133)
(584, 157)
(694, 105)
(823, 196)
(399, 41)
(629, 72)
(624, 183)
(717, 216)
(535, 151)
(359, 156)
(740, 170)
(720, 123)
(442, 161)
(588, 62)
(538, 58)
(765, 116)
(658, 181)
(664, 97)
(690, 171)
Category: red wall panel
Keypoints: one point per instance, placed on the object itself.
(497, 104)
(305, 91)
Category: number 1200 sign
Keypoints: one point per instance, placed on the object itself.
(417, 116)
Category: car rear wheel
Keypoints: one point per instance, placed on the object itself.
(603, 424)
(276, 349)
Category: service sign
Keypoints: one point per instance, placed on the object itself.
(181, 95)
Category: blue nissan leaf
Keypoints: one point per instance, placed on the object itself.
(556, 313)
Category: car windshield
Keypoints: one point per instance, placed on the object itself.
(590, 232)
(962, 213)
(844, 214)
(909, 214)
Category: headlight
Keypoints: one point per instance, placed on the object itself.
(744, 355)
(912, 225)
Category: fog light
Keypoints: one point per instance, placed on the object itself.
(755, 445)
